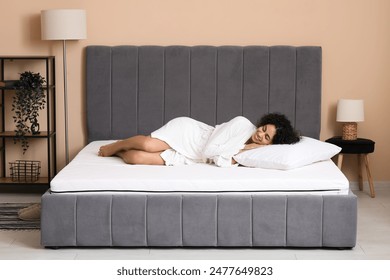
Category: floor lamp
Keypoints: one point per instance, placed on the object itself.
(64, 25)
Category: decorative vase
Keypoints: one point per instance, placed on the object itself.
(35, 127)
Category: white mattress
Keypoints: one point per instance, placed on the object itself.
(88, 172)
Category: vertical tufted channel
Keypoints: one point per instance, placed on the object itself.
(255, 91)
(340, 225)
(269, 220)
(150, 88)
(93, 224)
(128, 222)
(164, 220)
(203, 83)
(304, 221)
(99, 92)
(229, 83)
(282, 81)
(234, 220)
(199, 220)
(59, 220)
(124, 89)
(308, 82)
(177, 82)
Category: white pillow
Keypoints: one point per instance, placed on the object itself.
(284, 156)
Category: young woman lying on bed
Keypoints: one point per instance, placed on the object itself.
(186, 141)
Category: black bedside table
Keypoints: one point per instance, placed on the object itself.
(361, 147)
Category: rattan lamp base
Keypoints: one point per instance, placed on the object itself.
(349, 131)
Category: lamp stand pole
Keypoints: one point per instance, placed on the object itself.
(65, 103)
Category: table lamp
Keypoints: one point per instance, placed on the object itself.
(63, 25)
(350, 112)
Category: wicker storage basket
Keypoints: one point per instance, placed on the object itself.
(25, 170)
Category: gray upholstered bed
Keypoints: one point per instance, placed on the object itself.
(135, 90)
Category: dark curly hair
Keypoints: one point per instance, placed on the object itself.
(285, 133)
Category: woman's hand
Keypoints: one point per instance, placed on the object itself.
(248, 147)
(252, 146)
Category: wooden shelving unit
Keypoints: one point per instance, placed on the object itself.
(7, 184)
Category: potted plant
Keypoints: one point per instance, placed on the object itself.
(29, 99)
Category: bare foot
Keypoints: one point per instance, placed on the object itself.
(110, 149)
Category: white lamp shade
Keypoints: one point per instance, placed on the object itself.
(63, 24)
(350, 110)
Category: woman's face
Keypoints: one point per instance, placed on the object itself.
(264, 134)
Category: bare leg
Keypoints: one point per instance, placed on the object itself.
(141, 157)
(138, 142)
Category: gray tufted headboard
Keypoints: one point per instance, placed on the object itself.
(136, 89)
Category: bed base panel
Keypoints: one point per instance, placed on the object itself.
(176, 220)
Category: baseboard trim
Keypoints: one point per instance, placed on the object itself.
(378, 185)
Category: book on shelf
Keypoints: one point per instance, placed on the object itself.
(8, 83)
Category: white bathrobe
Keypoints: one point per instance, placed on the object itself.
(195, 142)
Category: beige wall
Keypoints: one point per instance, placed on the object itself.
(354, 35)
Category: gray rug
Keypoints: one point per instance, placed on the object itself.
(9, 217)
